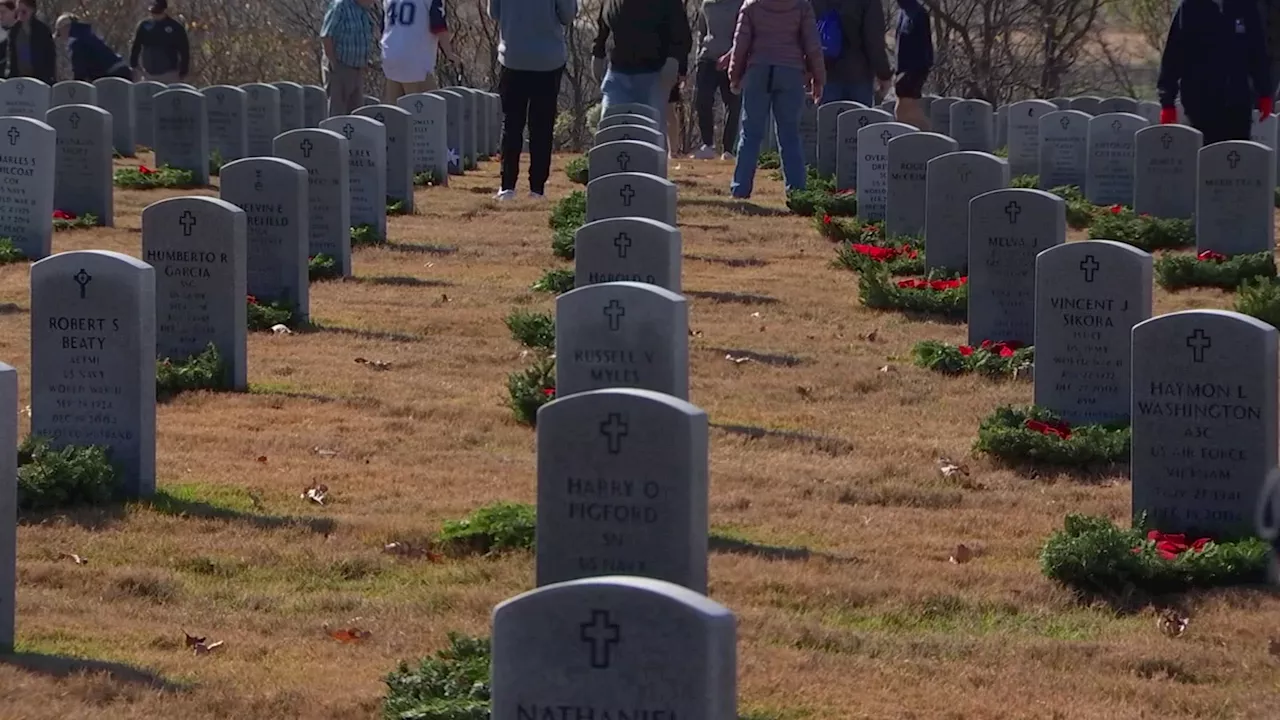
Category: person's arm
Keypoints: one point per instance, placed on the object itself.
(601, 44)
(136, 49)
(438, 26)
(566, 11)
(1171, 63)
(182, 45)
(814, 60)
(327, 29)
(743, 35)
(873, 40)
(46, 51)
(495, 9)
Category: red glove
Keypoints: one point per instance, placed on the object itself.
(1168, 116)
(1264, 107)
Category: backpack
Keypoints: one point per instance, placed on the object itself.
(831, 35)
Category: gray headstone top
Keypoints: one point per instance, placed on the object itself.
(273, 194)
(940, 114)
(848, 123)
(83, 161)
(397, 158)
(325, 156)
(622, 334)
(1118, 105)
(1110, 166)
(73, 92)
(182, 132)
(96, 309)
(1024, 135)
(1089, 295)
(24, 97)
(116, 96)
(626, 156)
(622, 488)
(197, 246)
(873, 167)
(634, 109)
(1007, 230)
(430, 142)
(639, 133)
(27, 162)
(1204, 420)
(144, 111)
(614, 647)
(227, 110)
(609, 121)
(628, 249)
(972, 125)
(1235, 202)
(909, 157)
(954, 179)
(315, 105)
(292, 108)
(1166, 158)
(631, 195)
(1090, 104)
(367, 151)
(828, 115)
(1064, 149)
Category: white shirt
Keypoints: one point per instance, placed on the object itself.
(408, 43)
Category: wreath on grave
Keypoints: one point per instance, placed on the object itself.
(215, 163)
(566, 217)
(1035, 435)
(145, 178)
(557, 281)
(531, 388)
(535, 330)
(396, 206)
(851, 230)
(262, 316)
(1260, 298)
(769, 160)
(1143, 231)
(824, 199)
(204, 371)
(1080, 212)
(946, 297)
(426, 178)
(1092, 554)
(322, 267)
(1175, 271)
(365, 235)
(578, 170)
(9, 253)
(63, 220)
(993, 359)
(50, 479)
(1025, 182)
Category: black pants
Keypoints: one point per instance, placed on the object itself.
(528, 97)
(707, 81)
(1222, 123)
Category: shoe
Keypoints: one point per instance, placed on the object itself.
(505, 195)
(706, 152)
(728, 156)
(537, 196)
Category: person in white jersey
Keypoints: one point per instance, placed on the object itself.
(412, 30)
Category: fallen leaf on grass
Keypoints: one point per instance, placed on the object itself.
(737, 360)
(316, 493)
(756, 315)
(869, 337)
(74, 558)
(1273, 646)
(1172, 623)
(375, 364)
(692, 333)
(949, 468)
(203, 649)
(192, 640)
(323, 452)
(805, 392)
(26, 410)
(350, 635)
(888, 369)
(262, 458)
(279, 329)
(961, 555)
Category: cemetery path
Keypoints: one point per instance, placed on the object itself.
(833, 524)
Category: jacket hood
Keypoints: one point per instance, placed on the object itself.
(777, 5)
(80, 30)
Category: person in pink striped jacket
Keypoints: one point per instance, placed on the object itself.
(776, 60)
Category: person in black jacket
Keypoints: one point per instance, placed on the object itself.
(91, 57)
(1216, 59)
(915, 60)
(161, 45)
(651, 44)
(32, 52)
(8, 10)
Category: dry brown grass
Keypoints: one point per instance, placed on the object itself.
(876, 624)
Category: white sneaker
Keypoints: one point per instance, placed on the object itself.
(505, 195)
(728, 156)
(537, 196)
(706, 152)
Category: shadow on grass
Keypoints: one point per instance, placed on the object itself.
(737, 546)
(317, 327)
(693, 226)
(732, 297)
(167, 504)
(270, 390)
(762, 358)
(832, 446)
(60, 666)
(400, 281)
(740, 207)
(420, 248)
(728, 262)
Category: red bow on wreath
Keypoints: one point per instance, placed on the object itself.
(1060, 429)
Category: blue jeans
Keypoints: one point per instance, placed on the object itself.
(862, 92)
(778, 90)
(644, 88)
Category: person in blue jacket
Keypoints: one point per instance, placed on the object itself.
(1216, 59)
(91, 57)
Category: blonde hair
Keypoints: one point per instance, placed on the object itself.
(65, 19)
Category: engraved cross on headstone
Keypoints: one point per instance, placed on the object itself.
(74, 120)
(622, 242)
(614, 429)
(188, 223)
(71, 92)
(1233, 159)
(1065, 122)
(1116, 125)
(1198, 341)
(624, 159)
(380, 117)
(14, 135)
(305, 146)
(626, 193)
(886, 136)
(1013, 210)
(22, 88)
(965, 172)
(863, 121)
(417, 106)
(82, 279)
(601, 635)
(1166, 140)
(1090, 266)
(615, 312)
(348, 130)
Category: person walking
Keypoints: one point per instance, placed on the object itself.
(776, 54)
(414, 32)
(1216, 59)
(347, 37)
(531, 56)
(716, 24)
(32, 52)
(91, 58)
(161, 51)
(651, 41)
(914, 41)
(852, 40)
